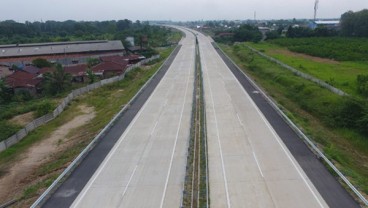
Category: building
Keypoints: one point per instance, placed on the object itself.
(24, 81)
(331, 24)
(61, 52)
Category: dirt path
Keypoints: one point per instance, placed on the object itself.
(23, 119)
(301, 55)
(14, 179)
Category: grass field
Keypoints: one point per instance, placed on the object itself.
(310, 107)
(340, 74)
(106, 101)
(336, 48)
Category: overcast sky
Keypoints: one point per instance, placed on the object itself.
(37, 10)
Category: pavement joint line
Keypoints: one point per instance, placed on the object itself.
(218, 137)
(120, 140)
(176, 140)
(154, 128)
(275, 135)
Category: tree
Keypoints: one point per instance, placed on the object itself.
(41, 63)
(5, 93)
(247, 33)
(57, 81)
(91, 76)
(355, 23)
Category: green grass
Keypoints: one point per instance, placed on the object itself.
(309, 106)
(107, 101)
(342, 75)
(337, 48)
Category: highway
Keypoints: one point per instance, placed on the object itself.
(249, 165)
(146, 167)
(255, 158)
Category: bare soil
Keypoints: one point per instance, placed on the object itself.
(15, 176)
(23, 119)
(300, 55)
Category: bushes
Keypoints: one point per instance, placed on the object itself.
(7, 130)
(44, 108)
(333, 110)
(362, 81)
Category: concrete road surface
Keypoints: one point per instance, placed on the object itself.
(146, 167)
(249, 165)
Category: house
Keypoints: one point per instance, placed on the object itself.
(134, 58)
(116, 59)
(5, 71)
(31, 69)
(78, 72)
(24, 81)
(109, 69)
(137, 49)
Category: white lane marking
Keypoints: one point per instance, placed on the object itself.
(130, 180)
(275, 134)
(259, 167)
(218, 136)
(176, 140)
(121, 139)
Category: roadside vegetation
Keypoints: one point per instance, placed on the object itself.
(106, 102)
(340, 74)
(57, 84)
(338, 124)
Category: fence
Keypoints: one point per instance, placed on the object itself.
(301, 74)
(75, 93)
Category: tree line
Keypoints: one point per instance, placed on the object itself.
(12, 32)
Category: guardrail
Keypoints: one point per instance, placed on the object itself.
(90, 146)
(301, 74)
(75, 93)
(300, 133)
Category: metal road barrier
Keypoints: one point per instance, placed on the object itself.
(42, 199)
(301, 134)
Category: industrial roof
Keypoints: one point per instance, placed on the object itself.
(21, 50)
(327, 22)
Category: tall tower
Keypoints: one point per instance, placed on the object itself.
(315, 9)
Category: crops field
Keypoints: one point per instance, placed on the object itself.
(336, 48)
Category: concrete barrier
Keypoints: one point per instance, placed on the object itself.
(59, 109)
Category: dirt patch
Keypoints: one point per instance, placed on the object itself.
(23, 119)
(15, 176)
(300, 55)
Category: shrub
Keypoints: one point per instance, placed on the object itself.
(44, 108)
(362, 81)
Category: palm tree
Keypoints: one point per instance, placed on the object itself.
(57, 81)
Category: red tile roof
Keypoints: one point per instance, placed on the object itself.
(31, 69)
(76, 70)
(46, 69)
(22, 79)
(116, 59)
(109, 66)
